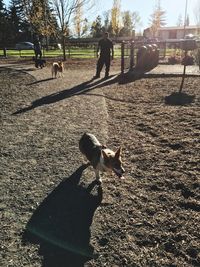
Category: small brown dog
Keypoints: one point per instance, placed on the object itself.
(101, 158)
(57, 67)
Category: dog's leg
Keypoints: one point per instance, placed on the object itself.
(98, 178)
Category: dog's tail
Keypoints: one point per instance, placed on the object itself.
(52, 70)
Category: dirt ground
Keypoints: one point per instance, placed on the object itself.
(53, 215)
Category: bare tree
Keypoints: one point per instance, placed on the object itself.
(64, 10)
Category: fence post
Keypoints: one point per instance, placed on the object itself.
(69, 50)
(4, 52)
(132, 56)
(165, 49)
(43, 51)
(122, 57)
(95, 51)
(184, 71)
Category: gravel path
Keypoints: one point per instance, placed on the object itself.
(43, 120)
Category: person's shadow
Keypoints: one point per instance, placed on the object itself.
(61, 224)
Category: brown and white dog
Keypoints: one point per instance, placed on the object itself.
(57, 67)
(100, 157)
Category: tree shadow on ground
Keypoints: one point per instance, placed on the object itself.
(132, 76)
(24, 70)
(64, 94)
(179, 99)
(40, 81)
(89, 85)
(61, 224)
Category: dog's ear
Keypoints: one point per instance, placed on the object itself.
(104, 154)
(118, 152)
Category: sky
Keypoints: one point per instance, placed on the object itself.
(173, 9)
(145, 8)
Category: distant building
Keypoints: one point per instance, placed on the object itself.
(172, 33)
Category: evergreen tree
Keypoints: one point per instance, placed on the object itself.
(3, 13)
(106, 16)
(96, 28)
(85, 27)
(179, 21)
(41, 18)
(18, 24)
(14, 22)
(157, 19)
(129, 22)
(4, 25)
(36, 18)
(187, 21)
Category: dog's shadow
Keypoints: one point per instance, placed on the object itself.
(61, 224)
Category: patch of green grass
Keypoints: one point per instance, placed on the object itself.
(74, 52)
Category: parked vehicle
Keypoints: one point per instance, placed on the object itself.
(190, 37)
(24, 46)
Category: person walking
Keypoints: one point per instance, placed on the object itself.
(105, 46)
(37, 48)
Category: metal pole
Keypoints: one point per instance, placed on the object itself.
(184, 71)
(132, 56)
(185, 55)
(184, 29)
(4, 52)
(122, 57)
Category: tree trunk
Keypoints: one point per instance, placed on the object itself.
(64, 49)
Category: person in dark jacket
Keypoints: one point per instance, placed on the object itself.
(37, 48)
(105, 46)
